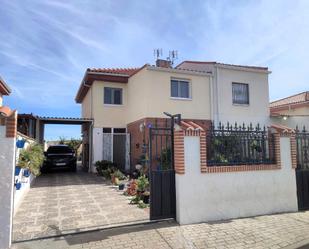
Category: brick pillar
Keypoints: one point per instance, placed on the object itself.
(179, 159)
(11, 125)
(277, 149)
(203, 152)
(293, 150)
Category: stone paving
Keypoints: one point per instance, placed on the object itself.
(66, 202)
(271, 231)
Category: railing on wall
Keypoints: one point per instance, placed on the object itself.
(239, 145)
(302, 142)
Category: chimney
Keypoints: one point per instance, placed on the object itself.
(163, 63)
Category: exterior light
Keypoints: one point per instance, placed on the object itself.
(285, 117)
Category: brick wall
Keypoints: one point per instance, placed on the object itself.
(179, 154)
(139, 140)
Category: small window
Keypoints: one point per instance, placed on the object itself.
(107, 130)
(112, 96)
(180, 89)
(119, 130)
(240, 93)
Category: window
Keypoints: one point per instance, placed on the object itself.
(119, 130)
(112, 96)
(180, 89)
(240, 93)
(107, 130)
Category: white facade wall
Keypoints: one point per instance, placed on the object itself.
(217, 196)
(26, 182)
(97, 147)
(257, 111)
(7, 163)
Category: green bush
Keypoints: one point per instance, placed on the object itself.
(32, 157)
(142, 183)
(105, 168)
(119, 175)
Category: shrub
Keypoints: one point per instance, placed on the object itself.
(119, 175)
(105, 168)
(32, 157)
(142, 183)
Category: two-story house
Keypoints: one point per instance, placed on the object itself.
(124, 103)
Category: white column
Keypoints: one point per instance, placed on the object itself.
(7, 166)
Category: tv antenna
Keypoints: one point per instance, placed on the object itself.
(157, 53)
(172, 56)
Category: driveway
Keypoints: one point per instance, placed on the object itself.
(264, 232)
(66, 202)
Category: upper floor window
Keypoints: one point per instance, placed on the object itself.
(180, 89)
(112, 96)
(240, 93)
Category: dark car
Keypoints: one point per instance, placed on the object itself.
(59, 156)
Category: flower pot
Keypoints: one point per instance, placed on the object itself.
(146, 199)
(121, 186)
(18, 185)
(17, 170)
(139, 193)
(27, 172)
(20, 143)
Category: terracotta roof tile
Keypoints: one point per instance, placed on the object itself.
(223, 64)
(294, 99)
(122, 71)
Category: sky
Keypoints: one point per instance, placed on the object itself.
(46, 46)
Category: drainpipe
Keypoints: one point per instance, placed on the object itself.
(211, 89)
(215, 97)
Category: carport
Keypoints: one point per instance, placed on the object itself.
(34, 126)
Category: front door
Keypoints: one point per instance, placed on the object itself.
(119, 150)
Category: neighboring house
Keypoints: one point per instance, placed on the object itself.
(4, 90)
(126, 102)
(27, 125)
(291, 111)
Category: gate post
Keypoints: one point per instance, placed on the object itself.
(8, 128)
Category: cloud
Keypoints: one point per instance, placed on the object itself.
(45, 46)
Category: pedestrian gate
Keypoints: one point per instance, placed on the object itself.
(162, 173)
(302, 170)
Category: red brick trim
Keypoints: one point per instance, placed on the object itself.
(179, 159)
(251, 167)
(11, 125)
(293, 151)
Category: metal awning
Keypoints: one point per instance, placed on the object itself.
(65, 120)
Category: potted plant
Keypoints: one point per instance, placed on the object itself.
(17, 185)
(117, 176)
(121, 186)
(32, 158)
(146, 196)
(142, 184)
(26, 172)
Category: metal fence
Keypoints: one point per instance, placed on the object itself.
(239, 145)
(302, 142)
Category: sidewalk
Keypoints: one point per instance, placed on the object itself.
(272, 231)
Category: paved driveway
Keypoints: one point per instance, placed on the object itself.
(67, 202)
(270, 231)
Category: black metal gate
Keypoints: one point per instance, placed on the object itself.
(162, 174)
(302, 170)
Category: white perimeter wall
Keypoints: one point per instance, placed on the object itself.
(218, 196)
(7, 163)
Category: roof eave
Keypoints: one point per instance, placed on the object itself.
(4, 88)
